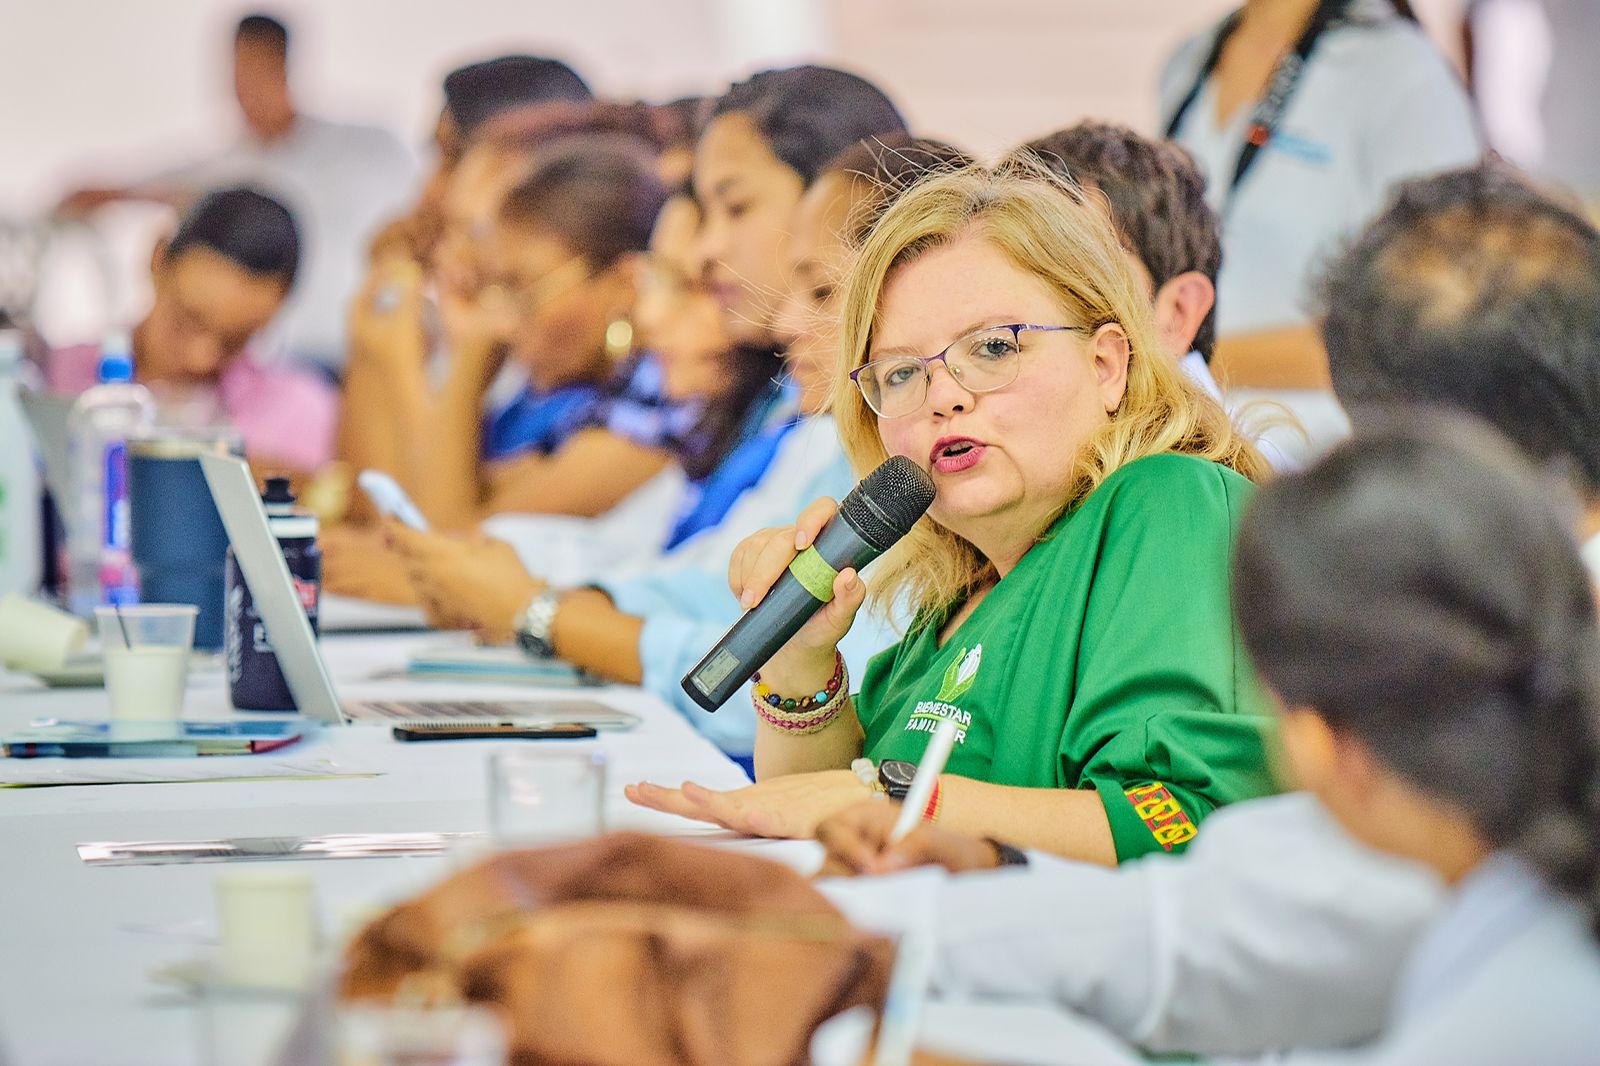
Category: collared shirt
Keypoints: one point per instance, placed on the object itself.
(1199, 371)
(1508, 972)
(283, 413)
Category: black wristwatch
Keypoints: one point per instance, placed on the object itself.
(1005, 854)
(895, 775)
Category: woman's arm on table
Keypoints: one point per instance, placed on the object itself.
(1067, 822)
(591, 473)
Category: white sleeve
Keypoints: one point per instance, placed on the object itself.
(1274, 928)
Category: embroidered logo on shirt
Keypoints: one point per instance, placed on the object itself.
(961, 675)
(1158, 808)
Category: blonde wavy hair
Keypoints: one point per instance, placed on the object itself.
(1052, 230)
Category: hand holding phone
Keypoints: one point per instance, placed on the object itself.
(390, 499)
(494, 731)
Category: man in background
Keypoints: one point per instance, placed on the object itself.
(217, 282)
(1479, 293)
(340, 181)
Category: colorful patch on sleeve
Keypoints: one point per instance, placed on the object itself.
(1159, 809)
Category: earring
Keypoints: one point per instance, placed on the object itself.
(619, 338)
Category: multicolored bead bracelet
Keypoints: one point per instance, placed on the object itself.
(807, 714)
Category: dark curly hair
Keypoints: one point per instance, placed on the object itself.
(1477, 292)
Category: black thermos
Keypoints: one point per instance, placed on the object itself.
(255, 681)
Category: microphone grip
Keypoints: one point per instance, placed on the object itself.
(768, 625)
(753, 640)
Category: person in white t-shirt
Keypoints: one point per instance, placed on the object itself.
(340, 180)
(1476, 291)
(1374, 102)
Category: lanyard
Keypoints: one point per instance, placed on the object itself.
(1280, 87)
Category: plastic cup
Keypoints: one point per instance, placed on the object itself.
(545, 796)
(36, 636)
(267, 928)
(147, 648)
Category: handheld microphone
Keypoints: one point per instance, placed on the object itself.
(876, 514)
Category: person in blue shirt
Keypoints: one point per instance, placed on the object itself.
(651, 627)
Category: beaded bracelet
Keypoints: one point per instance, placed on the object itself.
(807, 714)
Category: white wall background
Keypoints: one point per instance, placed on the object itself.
(109, 90)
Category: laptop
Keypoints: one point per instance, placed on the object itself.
(256, 551)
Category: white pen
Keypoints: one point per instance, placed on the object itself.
(928, 771)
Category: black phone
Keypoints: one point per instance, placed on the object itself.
(493, 731)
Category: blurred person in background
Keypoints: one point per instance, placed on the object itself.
(672, 128)
(650, 629)
(475, 95)
(1534, 76)
(1302, 114)
(767, 140)
(1477, 292)
(217, 282)
(340, 180)
(765, 144)
(537, 262)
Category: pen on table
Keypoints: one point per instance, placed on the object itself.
(928, 771)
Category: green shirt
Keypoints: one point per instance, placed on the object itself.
(1106, 659)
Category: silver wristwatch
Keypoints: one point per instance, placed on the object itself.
(535, 622)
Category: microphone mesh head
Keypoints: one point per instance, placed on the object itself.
(889, 501)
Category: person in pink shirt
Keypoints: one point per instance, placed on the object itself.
(218, 281)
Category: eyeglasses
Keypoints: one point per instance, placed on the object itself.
(982, 361)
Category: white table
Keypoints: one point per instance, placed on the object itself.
(78, 943)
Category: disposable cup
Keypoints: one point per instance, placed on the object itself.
(35, 636)
(546, 795)
(267, 928)
(147, 648)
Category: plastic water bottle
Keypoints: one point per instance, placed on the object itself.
(20, 527)
(104, 418)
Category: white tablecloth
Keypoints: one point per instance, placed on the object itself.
(78, 943)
